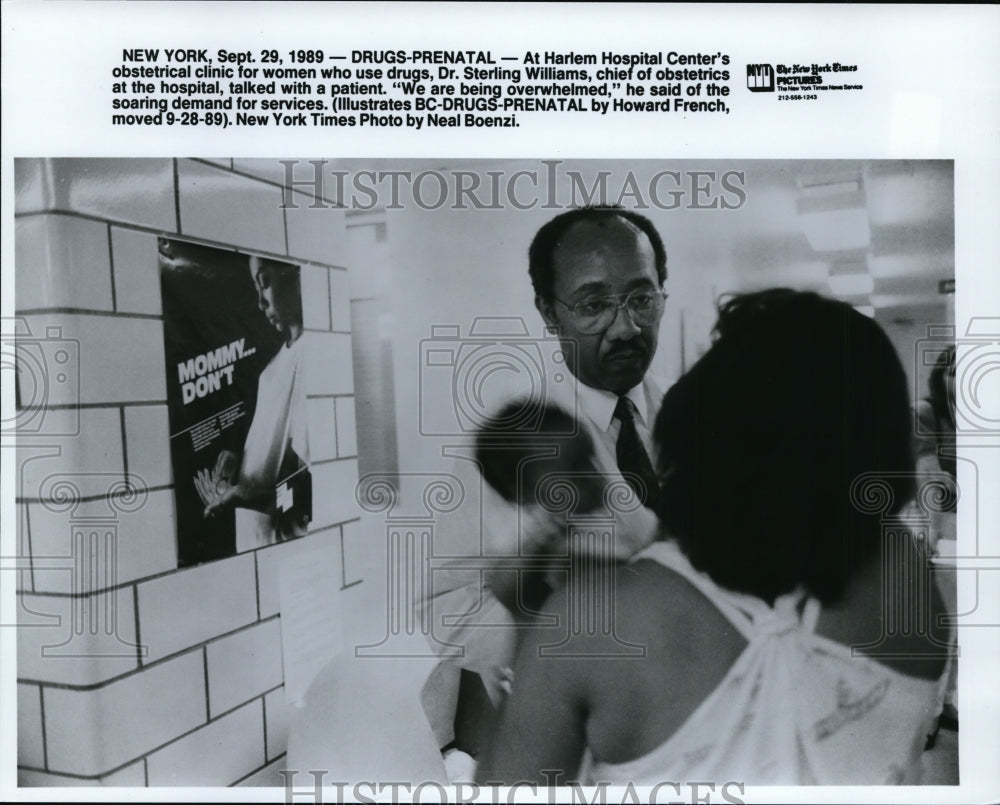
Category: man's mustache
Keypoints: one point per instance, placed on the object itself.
(630, 349)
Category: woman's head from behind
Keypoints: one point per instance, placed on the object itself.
(761, 440)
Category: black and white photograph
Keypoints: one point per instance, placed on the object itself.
(357, 450)
(794, 311)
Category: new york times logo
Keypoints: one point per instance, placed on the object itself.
(760, 78)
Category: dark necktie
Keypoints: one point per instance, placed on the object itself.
(633, 460)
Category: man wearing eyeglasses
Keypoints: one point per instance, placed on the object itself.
(598, 276)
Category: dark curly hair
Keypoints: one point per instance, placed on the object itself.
(512, 461)
(760, 441)
(541, 253)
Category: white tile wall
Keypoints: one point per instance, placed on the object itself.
(269, 562)
(347, 440)
(329, 360)
(61, 261)
(226, 208)
(218, 754)
(40, 779)
(89, 463)
(135, 191)
(369, 598)
(278, 715)
(268, 777)
(364, 550)
(21, 576)
(132, 776)
(242, 665)
(30, 748)
(29, 184)
(267, 575)
(270, 169)
(315, 297)
(89, 732)
(120, 359)
(367, 260)
(340, 301)
(322, 428)
(316, 233)
(48, 375)
(196, 604)
(146, 541)
(147, 442)
(76, 641)
(137, 271)
(333, 492)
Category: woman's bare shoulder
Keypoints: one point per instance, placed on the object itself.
(646, 604)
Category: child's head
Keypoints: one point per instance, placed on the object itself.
(515, 462)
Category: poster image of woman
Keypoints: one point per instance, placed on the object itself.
(238, 486)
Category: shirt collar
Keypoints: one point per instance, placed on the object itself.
(599, 405)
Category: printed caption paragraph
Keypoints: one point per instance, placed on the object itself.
(415, 89)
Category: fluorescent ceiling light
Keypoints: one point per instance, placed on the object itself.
(867, 310)
(829, 187)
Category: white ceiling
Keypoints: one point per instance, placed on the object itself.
(909, 206)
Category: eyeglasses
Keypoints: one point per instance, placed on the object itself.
(595, 315)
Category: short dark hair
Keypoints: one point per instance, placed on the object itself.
(501, 450)
(541, 253)
(760, 442)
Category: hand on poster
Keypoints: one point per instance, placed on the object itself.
(219, 488)
(216, 491)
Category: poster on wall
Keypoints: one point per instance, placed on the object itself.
(232, 327)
